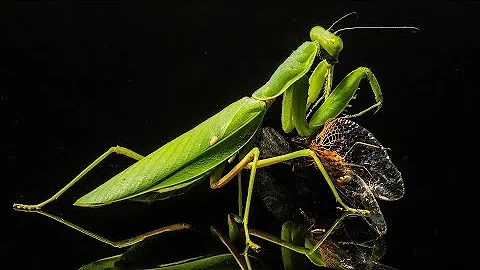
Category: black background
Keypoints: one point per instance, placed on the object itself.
(81, 77)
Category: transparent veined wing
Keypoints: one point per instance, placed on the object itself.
(364, 155)
(359, 166)
(346, 248)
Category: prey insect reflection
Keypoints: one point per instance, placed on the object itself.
(346, 248)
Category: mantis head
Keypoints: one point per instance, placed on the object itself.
(327, 40)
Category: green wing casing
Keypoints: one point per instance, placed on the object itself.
(290, 71)
(186, 159)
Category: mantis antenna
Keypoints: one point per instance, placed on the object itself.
(367, 27)
(377, 27)
(343, 17)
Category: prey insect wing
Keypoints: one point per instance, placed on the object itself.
(360, 167)
(358, 194)
(349, 249)
(364, 155)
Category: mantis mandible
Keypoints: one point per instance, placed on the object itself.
(203, 151)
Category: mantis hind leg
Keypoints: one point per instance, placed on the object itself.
(214, 184)
(116, 149)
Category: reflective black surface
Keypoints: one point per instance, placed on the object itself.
(79, 78)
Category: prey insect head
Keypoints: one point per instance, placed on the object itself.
(313, 144)
(300, 140)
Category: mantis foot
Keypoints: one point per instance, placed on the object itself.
(252, 245)
(26, 207)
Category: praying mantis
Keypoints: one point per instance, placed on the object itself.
(204, 151)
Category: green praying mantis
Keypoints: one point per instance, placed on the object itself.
(204, 151)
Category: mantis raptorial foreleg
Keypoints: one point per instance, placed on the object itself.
(116, 149)
(298, 97)
(351, 82)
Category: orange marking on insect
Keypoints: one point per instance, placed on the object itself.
(332, 161)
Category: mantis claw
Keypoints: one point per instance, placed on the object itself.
(249, 243)
(252, 245)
